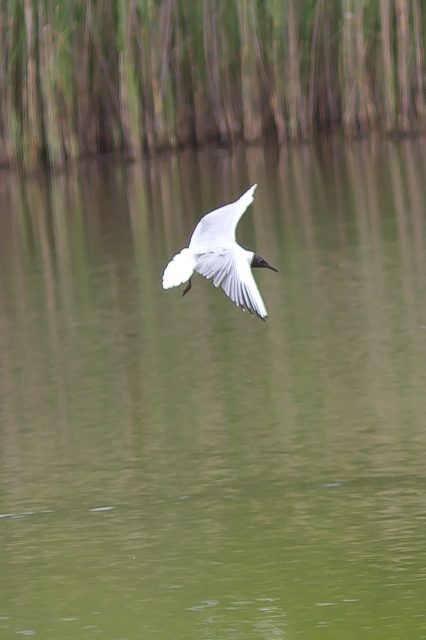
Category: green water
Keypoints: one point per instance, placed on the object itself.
(174, 468)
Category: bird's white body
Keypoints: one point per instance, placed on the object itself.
(214, 253)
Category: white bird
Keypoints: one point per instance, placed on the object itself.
(214, 253)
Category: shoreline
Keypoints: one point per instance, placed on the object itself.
(267, 145)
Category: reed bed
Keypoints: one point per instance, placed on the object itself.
(83, 77)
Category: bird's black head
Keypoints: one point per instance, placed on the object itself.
(260, 263)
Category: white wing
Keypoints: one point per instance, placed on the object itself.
(217, 228)
(230, 269)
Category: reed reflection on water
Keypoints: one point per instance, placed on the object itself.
(265, 480)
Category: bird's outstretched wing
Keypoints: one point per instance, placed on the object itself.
(230, 269)
(217, 228)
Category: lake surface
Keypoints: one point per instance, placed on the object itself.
(174, 468)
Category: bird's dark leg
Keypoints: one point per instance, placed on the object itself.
(187, 288)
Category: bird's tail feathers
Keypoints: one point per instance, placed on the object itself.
(179, 269)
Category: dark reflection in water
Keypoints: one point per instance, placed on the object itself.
(172, 468)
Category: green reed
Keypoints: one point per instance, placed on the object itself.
(82, 77)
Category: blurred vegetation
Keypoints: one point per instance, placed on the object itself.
(82, 77)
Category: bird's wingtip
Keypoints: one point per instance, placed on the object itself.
(248, 196)
(250, 191)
